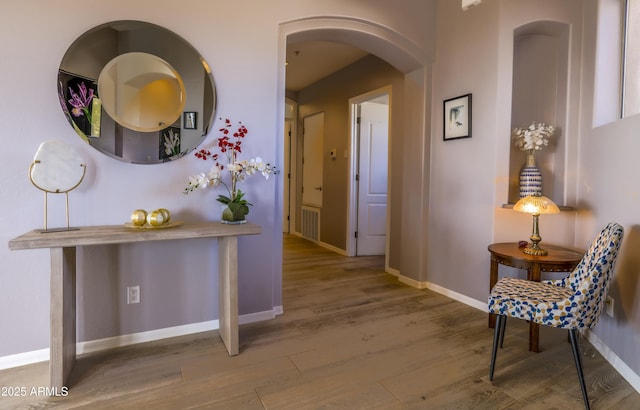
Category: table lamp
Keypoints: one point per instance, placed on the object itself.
(536, 205)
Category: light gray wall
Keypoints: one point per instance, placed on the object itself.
(463, 171)
(609, 190)
(331, 95)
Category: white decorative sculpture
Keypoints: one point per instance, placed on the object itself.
(57, 168)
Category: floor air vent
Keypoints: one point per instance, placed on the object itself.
(311, 223)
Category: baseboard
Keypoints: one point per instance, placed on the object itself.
(42, 355)
(22, 359)
(478, 304)
(323, 244)
(260, 316)
(412, 282)
(332, 248)
(621, 367)
(142, 337)
(444, 291)
(392, 271)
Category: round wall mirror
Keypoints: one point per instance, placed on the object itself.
(137, 92)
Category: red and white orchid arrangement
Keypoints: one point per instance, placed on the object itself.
(230, 146)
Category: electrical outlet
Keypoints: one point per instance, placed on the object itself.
(608, 306)
(133, 294)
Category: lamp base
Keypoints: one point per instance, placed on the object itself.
(534, 249)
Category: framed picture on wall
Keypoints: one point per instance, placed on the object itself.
(457, 117)
(189, 122)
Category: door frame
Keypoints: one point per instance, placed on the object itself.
(290, 169)
(352, 195)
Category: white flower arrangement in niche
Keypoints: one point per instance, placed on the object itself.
(533, 138)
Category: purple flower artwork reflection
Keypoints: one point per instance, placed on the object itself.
(81, 101)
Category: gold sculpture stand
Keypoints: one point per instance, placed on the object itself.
(56, 169)
(63, 246)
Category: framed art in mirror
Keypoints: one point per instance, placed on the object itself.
(190, 120)
(78, 102)
(169, 143)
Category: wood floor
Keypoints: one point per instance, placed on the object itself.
(351, 337)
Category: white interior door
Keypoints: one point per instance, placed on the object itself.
(372, 178)
(313, 138)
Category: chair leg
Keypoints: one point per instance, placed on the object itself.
(497, 336)
(573, 335)
(502, 330)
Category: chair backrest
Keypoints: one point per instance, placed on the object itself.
(590, 280)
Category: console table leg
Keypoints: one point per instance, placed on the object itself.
(228, 292)
(63, 315)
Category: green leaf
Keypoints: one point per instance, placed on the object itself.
(239, 195)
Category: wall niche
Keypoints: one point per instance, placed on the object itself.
(539, 93)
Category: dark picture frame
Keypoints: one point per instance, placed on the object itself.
(457, 118)
(190, 120)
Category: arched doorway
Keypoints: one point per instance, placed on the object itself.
(409, 193)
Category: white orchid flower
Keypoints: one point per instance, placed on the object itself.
(260, 165)
(215, 173)
(198, 181)
(193, 182)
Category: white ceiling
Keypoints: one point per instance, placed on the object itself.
(310, 61)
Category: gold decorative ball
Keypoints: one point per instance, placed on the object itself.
(155, 218)
(165, 213)
(139, 217)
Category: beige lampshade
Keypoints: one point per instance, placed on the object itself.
(536, 205)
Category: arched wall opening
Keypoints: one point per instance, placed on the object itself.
(411, 183)
(540, 93)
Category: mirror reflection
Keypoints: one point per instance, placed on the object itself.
(137, 92)
(141, 91)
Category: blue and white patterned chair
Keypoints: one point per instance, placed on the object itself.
(572, 303)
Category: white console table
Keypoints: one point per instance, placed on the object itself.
(63, 277)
